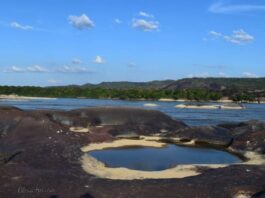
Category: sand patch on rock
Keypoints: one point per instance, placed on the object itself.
(80, 130)
(122, 143)
(99, 169)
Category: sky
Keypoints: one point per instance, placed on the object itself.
(62, 42)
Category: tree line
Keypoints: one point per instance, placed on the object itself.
(106, 93)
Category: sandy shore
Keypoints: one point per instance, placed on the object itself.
(150, 105)
(223, 107)
(16, 97)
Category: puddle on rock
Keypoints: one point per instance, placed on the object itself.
(157, 159)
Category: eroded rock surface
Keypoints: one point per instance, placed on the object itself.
(248, 136)
(40, 155)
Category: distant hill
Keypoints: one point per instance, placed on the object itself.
(219, 84)
(199, 89)
(213, 84)
(131, 85)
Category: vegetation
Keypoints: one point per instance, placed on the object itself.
(74, 92)
(200, 89)
(213, 84)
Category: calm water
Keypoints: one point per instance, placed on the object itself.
(190, 116)
(155, 159)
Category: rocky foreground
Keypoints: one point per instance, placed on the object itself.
(40, 154)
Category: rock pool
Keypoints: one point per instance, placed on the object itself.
(156, 159)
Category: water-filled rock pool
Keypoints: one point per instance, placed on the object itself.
(156, 159)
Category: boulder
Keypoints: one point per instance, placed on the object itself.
(205, 135)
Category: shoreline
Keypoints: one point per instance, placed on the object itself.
(17, 97)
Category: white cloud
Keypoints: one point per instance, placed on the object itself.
(118, 21)
(36, 68)
(215, 34)
(21, 27)
(249, 75)
(145, 25)
(228, 9)
(99, 60)
(239, 37)
(73, 69)
(145, 14)
(81, 22)
(222, 74)
(52, 81)
(15, 69)
(199, 75)
(76, 61)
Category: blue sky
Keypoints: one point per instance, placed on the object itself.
(58, 42)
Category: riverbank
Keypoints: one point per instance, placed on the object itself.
(16, 97)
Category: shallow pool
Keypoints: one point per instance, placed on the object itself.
(156, 159)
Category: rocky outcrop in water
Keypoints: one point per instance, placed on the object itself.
(40, 154)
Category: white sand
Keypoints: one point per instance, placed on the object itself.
(223, 107)
(183, 106)
(80, 130)
(232, 107)
(16, 97)
(167, 100)
(122, 143)
(97, 168)
(93, 166)
(150, 105)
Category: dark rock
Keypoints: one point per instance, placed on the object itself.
(209, 135)
(249, 136)
(37, 150)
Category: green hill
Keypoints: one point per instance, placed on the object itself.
(238, 89)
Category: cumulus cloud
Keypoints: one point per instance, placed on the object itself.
(238, 37)
(73, 69)
(81, 22)
(145, 25)
(145, 14)
(20, 26)
(36, 68)
(215, 34)
(76, 61)
(118, 21)
(99, 60)
(249, 75)
(15, 69)
(222, 8)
